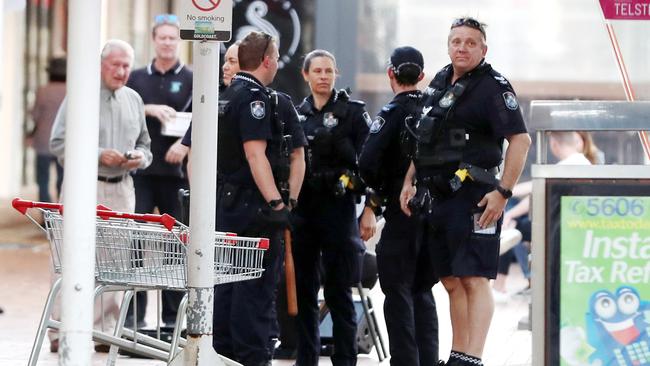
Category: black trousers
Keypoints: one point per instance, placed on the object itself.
(406, 277)
(153, 191)
(326, 233)
(243, 311)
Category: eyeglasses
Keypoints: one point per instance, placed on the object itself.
(469, 22)
(166, 19)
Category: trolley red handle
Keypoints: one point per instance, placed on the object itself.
(166, 220)
(23, 205)
(102, 211)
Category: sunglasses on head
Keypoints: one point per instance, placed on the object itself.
(469, 22)
(166, 19)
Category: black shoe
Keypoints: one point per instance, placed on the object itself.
(284, 353)
(128, 323)
(102, 348)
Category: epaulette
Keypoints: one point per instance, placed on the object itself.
(304, 108)
(389, 107)
(500, 78)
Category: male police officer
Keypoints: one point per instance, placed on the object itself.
(469, 110)
(405, 274)
(255, 165)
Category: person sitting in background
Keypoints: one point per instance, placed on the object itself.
(589, 149)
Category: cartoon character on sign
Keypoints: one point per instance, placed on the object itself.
(618, 328)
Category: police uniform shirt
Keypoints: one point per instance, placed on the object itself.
(354, 124)
(382, 163)
(172, 88)
(488, 108)
(247, 116)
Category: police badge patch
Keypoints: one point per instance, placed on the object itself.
(511, 101)
(447, 100)
(329, 120)
(367, 118)
(377, 125)
(257, 109)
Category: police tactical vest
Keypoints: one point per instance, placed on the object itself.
(407, 134)
(443, 142)
(329, 147)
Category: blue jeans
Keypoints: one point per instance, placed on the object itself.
(43, 163)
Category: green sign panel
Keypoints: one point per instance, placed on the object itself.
(605, 281)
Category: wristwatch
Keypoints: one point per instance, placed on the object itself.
(275, 203)
(506, 193)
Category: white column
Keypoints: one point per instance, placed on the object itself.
(80, 189)
(200, 256)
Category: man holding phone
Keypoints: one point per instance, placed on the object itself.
(124, 145)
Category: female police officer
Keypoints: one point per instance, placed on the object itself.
(326, 226)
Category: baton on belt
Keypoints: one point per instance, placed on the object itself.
(290, 275)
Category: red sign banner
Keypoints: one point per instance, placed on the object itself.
(206, 5)
(626, 9)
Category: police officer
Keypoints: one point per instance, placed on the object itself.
(405, 272)
(326, 228)
(255, 165)
(469, 110)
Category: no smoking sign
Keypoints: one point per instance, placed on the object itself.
(209, 20)
(206, 5)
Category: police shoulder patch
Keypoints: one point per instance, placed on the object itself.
(257, 109)
(366, 117)
(377, 125)
(510, 100)
(388, 107)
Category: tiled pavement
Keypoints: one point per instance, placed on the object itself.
(25, 279)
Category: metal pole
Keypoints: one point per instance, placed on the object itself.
(200, 256)
(80, 190)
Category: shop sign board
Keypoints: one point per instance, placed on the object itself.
(626, 9)
(605, 280)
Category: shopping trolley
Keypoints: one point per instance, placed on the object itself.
(142, 251)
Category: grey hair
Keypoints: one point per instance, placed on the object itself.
(117, 44)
